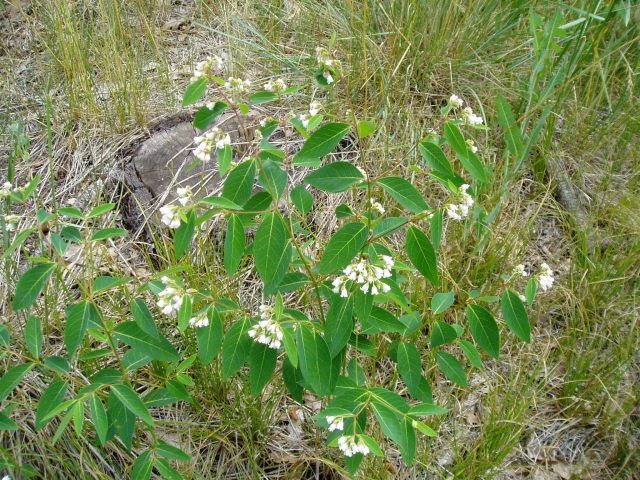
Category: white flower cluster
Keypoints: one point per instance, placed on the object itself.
(170, 216)
(365, 274)
(206, 142)
(171, 297)
(472, 145)
(324, 60)
(545, 277)
(267, 330)
(184, 195)
(335, 423)
(471, 118)
(201, 320)
(207, 67)
(376, 206)
(461, 210)
(6, 189)
(455, 101)
(315, 107)
(304, 119)
(10, 222)
(237, 85)
(350, 446)
(277, 86)
(519, 271)
(363, 172)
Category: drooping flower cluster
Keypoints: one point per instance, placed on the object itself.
(184, 194)
(327, 64)
(363, 172)
(366, 275)
(471, 118)
(200, 320)
(205, 143)
(237, 85)
(267, 330)
(545, 277)
(6, 189)
(315, 107)
(472, 145)
(519, 271)
(170, 216)
(277, 86)
(351, 445)
(171, 297)
(335, 423)
(376, 206)
(455, 101)
(10, 222)
(460, 210)
(207, 67)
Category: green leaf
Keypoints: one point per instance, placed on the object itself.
(33, 336)
(322, 142)
(57, 364)
(244, 109)
(451, 368)
(365, 128)
(335, 177)
(343, 247)
(474, 166)
(184, 234)
(72, 234)
(515, 315)
(6, 423)
(17, 241)
(220, 202)
(421, 253)
(339, 324)
(484, 329)
(143, 317)
(205, 116)
(404, 193)
(134, 359)
(209, 338)
(292, 376)
(239, 184)
(302, 199)
(290, 347)
(106, 233)
(290, 282)
(343, 211)
(184, 313)
(195, 91)
(409, 365)
(353, 462)
(435, 224)
(512, 134)
(471, 352)
(385, 321)
(442, 333)
(530, 291)
(234, 244)
(407, 443)
(76, 327)
(157, 348)
(236, 347)
(273, 179)
(144, 463)
(4, 336)
(12, 378)
(441, 302)
(270, 250)
(314, 359)
(166, 470)
(455, 139)
(59, 244)
(99, 417)
(262, 364)
(435, 158)
(225, 155)
(168, 451)
(425, 429)
(31, 284)
(50, 399)
(107, 376)
(101, 209)
(262, 97)
(121, 419)
(103, 283)
(389, 225)
(71, 212)
(132, 402)
(426, 409)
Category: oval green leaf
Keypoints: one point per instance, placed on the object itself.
(484, 329)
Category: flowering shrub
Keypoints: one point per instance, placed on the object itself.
(353, 290)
